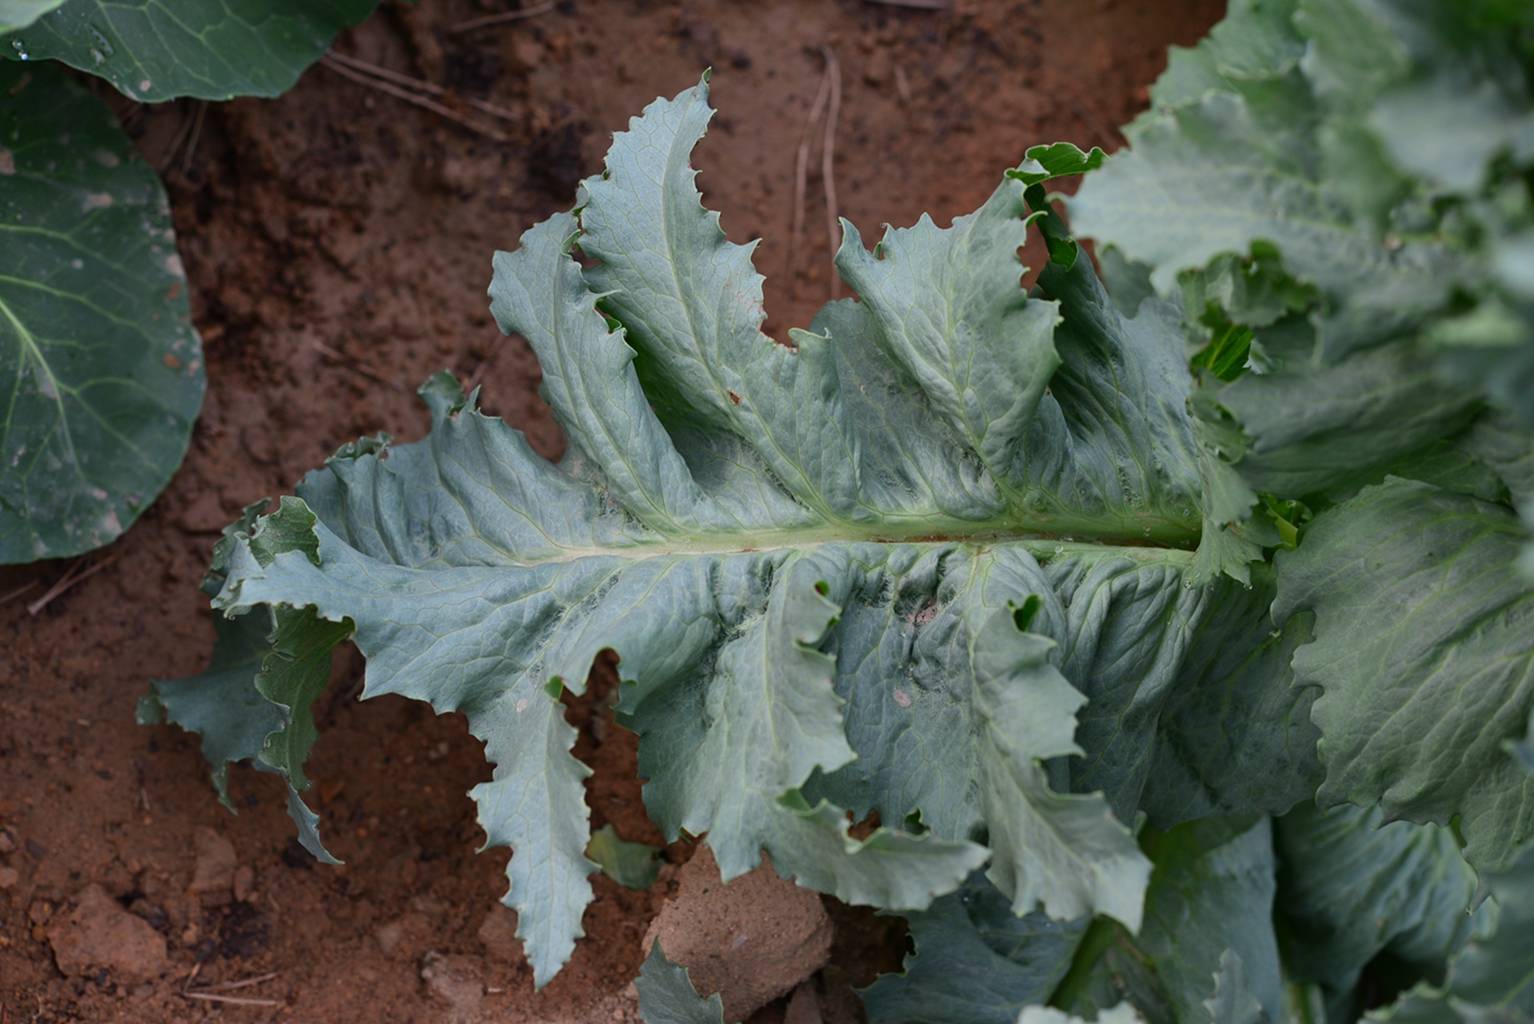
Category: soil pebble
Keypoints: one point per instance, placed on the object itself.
(751, 941)
(97, 933)
(244, 883)
(498, 934)
(213, 877)
(455, 981)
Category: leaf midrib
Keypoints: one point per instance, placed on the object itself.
(1047, 544)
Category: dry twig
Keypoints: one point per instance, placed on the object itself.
(72, 576)
(214, 997)
(388, 75)
(343, 359)
(191, 146)
(409, 97)
(802, 171)
(828, 162)
(504, 18)
(230, 986)
(13, 595)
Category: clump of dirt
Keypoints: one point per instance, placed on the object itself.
(338, 243)
(751, 940)
(96, 934)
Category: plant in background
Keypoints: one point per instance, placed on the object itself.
(103, 369)
(1139, 616)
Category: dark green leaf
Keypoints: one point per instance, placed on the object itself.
(102, 370)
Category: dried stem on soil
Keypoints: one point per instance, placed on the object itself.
(229, 986)
(409, 97)
(214, 997)
(13, 595)
(802, 171)
(341, 358)
(828, 162)
(71, 576)
(389, 75)
(504, 18)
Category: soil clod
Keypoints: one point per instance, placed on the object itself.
(751, 940)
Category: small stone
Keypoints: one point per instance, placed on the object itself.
(97, 934)
(456, 176)
(213, 877)
(879, 68)
(244, 883)
(9, 877)
(7, 841)
(388, 935)
(751, 941)
(454, 980)
(498, 933)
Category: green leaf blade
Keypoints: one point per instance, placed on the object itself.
(100, 367)
(1423, 656)
(155, 50)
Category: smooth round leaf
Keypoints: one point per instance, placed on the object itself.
(212, 49)
(101, 372)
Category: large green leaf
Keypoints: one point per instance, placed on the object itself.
(1353, 887)
(211, 49)
(1342, 186)
(975, 962)
(903, 511)
(1210, 900)
(1490, 980)
(101, 370)
(1363, 159)
(1424, 655)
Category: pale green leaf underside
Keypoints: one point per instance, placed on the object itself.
(101, 373)
(933, 526)
(212, 49)
(1121, 1014)
(1233, 1001)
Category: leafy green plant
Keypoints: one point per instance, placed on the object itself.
(99, 362)
(105, 371)
(1131, 620)
(154, 50)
